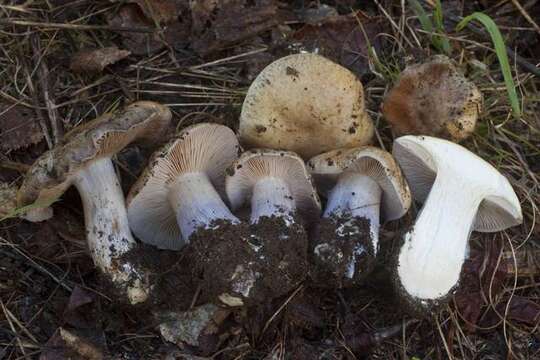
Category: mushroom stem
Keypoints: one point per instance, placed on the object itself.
(272, 197)
(107, 229)
(197, 203)
(357, 196)
(430, 261)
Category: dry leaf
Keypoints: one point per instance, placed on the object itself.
(8, 199)
(341, 39)
(161, 11)
(174, 34)
(95, 60)
(18, 127)
(218, 26)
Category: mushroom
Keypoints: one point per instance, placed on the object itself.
(359, 183)
(461, 193)
(307, 104)
(279, 189)
(84, 160)
(433, 99)
(176, 194)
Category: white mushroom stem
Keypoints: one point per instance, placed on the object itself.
(197, 203)
(107, 229)
(357, 196)
(272, 197)
(435, 248)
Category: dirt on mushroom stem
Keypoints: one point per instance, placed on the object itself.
(255, 263)
(341, 251)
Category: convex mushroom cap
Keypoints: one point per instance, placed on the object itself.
(83, 159)
(180, 189)
(276, 183)
(461, 193)
(359, 184)
(433, 98)
(307, 104)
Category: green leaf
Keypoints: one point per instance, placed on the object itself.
(500, 50)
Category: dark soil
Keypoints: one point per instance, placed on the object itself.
(253, 263)
(171, 274)
(341, 251)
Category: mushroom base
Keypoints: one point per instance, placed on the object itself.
(248, 264)
(341, 251)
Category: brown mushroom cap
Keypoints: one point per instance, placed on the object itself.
(52, 173)
(433, 98)
(307, 104)
(256, 164)
(370, 161)
(204, 148)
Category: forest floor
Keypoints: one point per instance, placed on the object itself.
(199, 59)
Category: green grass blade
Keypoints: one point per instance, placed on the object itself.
(444, 44)
(500, 50)
(425, 21)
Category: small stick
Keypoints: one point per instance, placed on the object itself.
(526, 15)
(43, 75)
(75, 26)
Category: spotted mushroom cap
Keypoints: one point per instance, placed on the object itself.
(371, 161)
(433, 98)
(52, 173)
(260, 163)
(205, 148)
(307, 104)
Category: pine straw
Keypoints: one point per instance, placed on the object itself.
(213, 90)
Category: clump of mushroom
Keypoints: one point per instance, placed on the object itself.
(360, 183)
(179, 192)
(433, 98)
(84, 160)
(307, 104)
(461, 192)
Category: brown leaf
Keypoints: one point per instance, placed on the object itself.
(66, 344)
(175, 33)
(18, 127)
(341, 39)
(80, 311)
(521, 309)
(482, 273)
(161, 11)
(95, 60)
(219, 25)
(8, 201)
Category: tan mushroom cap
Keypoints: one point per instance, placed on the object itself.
(370, 161)
(52, 173)
(261, 163)
(206, 148)
(307, 104)
(433, 98)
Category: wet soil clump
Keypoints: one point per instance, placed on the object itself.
(243, 264)
(341, 251)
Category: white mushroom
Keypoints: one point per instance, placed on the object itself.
(359, 183)
(179, 192)
(84, 160)
(461, 193)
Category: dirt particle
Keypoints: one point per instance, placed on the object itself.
(291, 71)
(259, 129)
